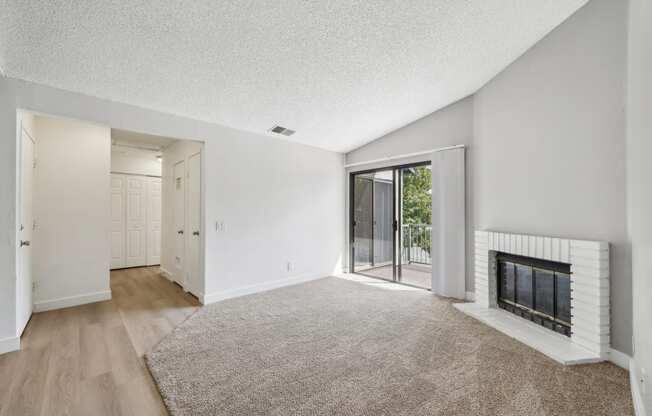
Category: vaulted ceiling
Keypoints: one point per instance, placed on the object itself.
(339, 72)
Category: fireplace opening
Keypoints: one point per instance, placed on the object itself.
(534, 289)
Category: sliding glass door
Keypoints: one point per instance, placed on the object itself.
(363, 198)
(373, 224)
(415, 219)
(390, 224)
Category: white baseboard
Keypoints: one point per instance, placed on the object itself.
(261, 287)
(619, 358)
(9, 344)
(166, 274)
(637, 394)
(470, 296)
(48, 305)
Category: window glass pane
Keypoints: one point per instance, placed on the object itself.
(507, 280)
(524, 285)
(363, 221)
(545, 292)
(563, 297)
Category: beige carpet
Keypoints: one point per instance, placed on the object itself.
(337, 347)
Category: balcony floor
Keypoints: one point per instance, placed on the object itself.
(415, 275)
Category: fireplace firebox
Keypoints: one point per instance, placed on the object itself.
(534, 289)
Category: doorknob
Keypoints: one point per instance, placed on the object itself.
(195, 233)
(180, 232)
(24, 243)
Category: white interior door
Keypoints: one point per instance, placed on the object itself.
(25, 232)
(117, 221)
(154, 221)
(136, 219)
(194, 225)
(179, 222)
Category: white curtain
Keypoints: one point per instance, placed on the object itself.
(448, 224)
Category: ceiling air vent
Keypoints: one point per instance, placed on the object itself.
(282, 130)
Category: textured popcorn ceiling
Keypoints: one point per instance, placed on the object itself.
(339, 72)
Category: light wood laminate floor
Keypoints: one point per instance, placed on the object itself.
(88, 360)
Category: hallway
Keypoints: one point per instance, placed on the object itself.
(88, 360)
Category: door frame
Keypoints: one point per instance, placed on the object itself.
(396, 213)
(180, 279)
(352, 176)
(198, 264)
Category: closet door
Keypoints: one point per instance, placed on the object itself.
(117, 221)
(154, 221)
(136, 219)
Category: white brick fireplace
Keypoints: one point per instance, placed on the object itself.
(589, 260)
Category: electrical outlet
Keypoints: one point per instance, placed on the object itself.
(643, 381)
(219, 226)
(290, 266)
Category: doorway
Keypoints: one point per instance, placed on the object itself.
(390, 224)
(157, 206)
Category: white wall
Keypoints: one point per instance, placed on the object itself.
(449, 126)
(550, 144)
(278, 200)
(71, 209)
(639, 185)
(178, 151)
(135, 161)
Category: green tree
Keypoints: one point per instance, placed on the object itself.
(417, 205)
(417, 199)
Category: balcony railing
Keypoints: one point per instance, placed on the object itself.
(416, 243)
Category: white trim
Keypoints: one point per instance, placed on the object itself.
(115, 172)
(166, 274)
(9, 344)
(48, 305)
(261, 287)
(470, 296)
(637, 395)
(403, 156)
(619, 358)
(200, 297)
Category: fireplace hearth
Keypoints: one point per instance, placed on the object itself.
(535, 289)
(558, 283)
